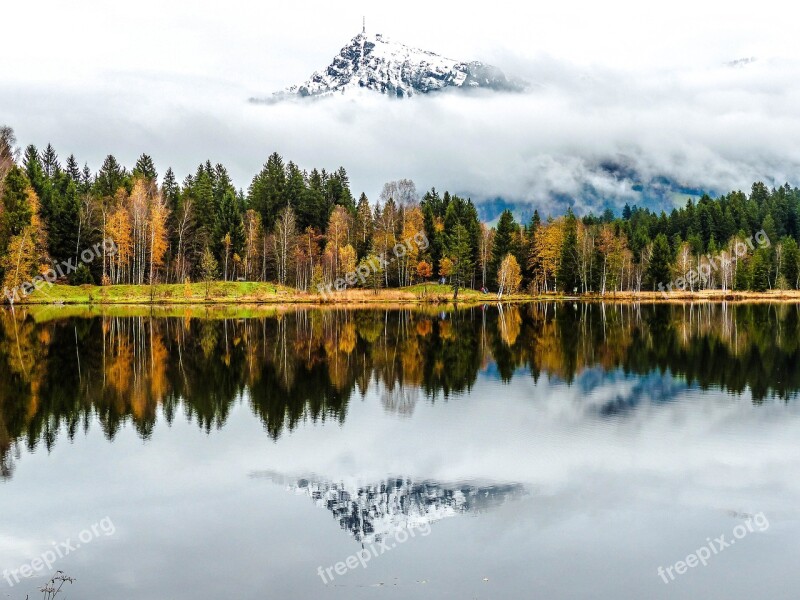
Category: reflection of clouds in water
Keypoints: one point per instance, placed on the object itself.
(371, 512)
(615, 395)
(705, 450)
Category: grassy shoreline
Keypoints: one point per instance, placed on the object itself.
(255, 293)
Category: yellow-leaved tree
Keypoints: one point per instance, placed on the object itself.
(407, 256)
(26, 256)
(509, 276)
(119, 230)
(347, 261)
(546, 254)
(159, 240)
(339, 226)
(19, 265)
(445, 267)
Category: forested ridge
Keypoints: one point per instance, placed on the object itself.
(307, 229)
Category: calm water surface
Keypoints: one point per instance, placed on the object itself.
(537, 451)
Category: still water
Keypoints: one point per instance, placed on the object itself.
(535, 451)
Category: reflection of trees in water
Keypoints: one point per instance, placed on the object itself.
(400, 400)
(371, 512)
(305, 364)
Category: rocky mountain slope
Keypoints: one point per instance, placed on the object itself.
(374, 62)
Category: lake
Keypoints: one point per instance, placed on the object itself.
(551, 450)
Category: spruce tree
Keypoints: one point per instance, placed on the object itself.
(742, 279)
(337, 191)
(790, 267)
(16, 212)
(503, 243)
(459, 251)
(110, 178)
(433, 209)
(170, 189)
(60, 211)
(266, 194)
(363, 227)
(229, 234)
(201, 190)
(309, 210)
(568, 269)
(73, 170)
(658, 271)
(626, 212)
(760, 270)
(87, 180)
(50, 162)
(768, 225)
(33, 168)
(145, 168)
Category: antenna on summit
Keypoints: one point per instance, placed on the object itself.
(363, 24)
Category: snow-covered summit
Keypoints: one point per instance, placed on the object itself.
(374, 62)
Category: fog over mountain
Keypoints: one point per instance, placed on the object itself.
(609, 116)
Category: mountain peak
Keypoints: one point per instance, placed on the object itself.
(373, 61)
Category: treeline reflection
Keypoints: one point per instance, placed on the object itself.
(58, 376)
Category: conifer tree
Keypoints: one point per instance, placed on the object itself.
(110, 178)
(16, 210)
(34, 169)
(170, 189)
(145, 168)
(73, 170)
(659, 269)
(568, 269)
(229, 232)
(503, 243)
(50, 163)
(460, 253)
(87, 180)
(61, 215)
(266, 193)
(363, 227)
(791, 262)
(760, 271)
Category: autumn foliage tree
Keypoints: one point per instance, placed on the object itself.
(159, 239)
(545, 255)
(25, 258)
(424, 270)
(509, 276)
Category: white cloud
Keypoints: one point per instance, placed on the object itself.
(645, 88)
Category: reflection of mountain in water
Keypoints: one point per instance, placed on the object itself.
(372, 512)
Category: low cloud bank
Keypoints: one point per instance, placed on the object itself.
(590, 138)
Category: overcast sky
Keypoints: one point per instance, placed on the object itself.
(643, 85)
